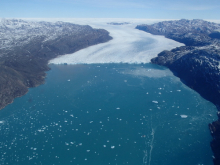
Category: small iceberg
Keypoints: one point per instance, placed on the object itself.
(156, 102)
(112, 147)
(68, 80)
(183, 116)
(1, 122)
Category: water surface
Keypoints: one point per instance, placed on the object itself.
(107, 114)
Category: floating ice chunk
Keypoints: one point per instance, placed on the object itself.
(104, 145)
(178, 90)
(1, 122)
(183, 116)
(68, 80)
(112, 147)
(117, 108)
(87, 150)
(80, 144)
(156, 102)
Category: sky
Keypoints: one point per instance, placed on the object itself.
(147, 9)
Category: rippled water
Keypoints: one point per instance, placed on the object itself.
(107, 114)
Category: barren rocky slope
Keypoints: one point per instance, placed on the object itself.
(26, 47)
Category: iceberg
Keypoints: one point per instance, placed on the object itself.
(183, 116)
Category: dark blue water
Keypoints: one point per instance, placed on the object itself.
(107, 114)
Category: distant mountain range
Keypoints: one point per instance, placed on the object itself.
(197, 63)
(26, 47)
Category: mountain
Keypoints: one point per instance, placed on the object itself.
(190, 32)
(197, 63)
(27, 46)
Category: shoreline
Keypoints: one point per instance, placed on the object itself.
(196, 64)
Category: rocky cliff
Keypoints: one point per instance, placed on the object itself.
(26, 47)
(197, 64)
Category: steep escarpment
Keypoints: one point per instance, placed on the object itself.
(26, 47)
(197, 64)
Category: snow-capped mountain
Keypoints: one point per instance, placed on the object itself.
(27, 46)
(17, 32)
(190, 32)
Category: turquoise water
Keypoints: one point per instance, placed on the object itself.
(107, 114)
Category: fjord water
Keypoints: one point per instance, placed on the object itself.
(107, 114)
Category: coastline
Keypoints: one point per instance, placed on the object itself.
(24, 66)
(196, 64)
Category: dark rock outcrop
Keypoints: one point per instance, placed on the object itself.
(26, 47)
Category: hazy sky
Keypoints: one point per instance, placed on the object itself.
(152, 9)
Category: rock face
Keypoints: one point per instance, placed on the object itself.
(26, 47)
(197, 64)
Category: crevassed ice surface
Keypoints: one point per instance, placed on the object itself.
(109, 113)
(129, 45)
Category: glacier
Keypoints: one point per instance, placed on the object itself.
(128, 45)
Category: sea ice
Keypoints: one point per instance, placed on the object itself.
(156, 102)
